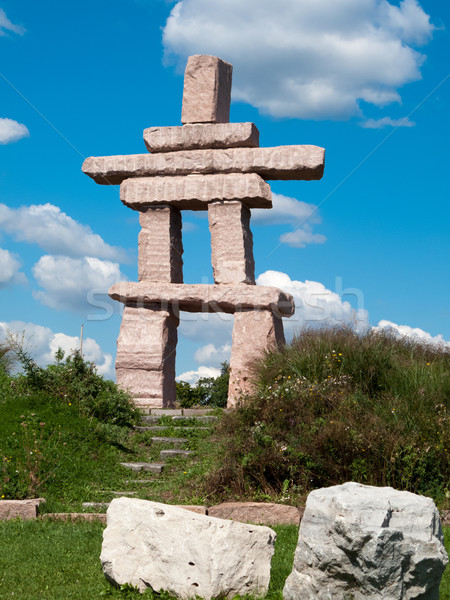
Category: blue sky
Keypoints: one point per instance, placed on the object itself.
(366, 79)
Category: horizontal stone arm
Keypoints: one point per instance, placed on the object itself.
(204, 297)
(200, 136)
(282, 162)
(194, 192)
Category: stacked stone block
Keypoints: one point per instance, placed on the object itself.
(206, 164)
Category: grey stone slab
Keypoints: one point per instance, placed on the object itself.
(166, 412)
(201, 419)
(174, 452)
(180, 427)
(169, 440)
(201, 136)
(282, 162)
(143, 466)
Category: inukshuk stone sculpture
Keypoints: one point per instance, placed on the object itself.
(205, 164)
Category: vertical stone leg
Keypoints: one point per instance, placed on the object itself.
(145, 362)
(231, 242)
(253, 332)
(160, 245)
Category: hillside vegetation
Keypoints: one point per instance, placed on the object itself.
(335, 406)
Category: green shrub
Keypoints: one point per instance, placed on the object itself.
(335, 406)
(75, 381)
(208, 391)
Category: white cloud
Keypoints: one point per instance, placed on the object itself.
(414, 333)
(55, 232)
(12, 131)
(10, 270)
(213, 355)
(387, 122)
(299, 238)
(315, 305)
(42, 343)
(72, 283)
(305, 58)
(193, 376)
(207, 328)
(6, 25)
(294, 212)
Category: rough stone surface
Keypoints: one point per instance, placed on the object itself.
(25, 509)
(147, 544)
(196, 298)
(143, 466)
(200, 510)
(231, 243)
(257, 512)
(160, 255)
(146, 348)
(201, 135)
(194, 192)
(253, 333)
(282, 162)
(207, 90)
(363, 542)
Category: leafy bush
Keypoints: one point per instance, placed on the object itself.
(7, 357)
(75, 380)
(335, 406)
(208, 391)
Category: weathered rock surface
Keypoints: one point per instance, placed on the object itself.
(25, 509)
(231, 243)
(364, 542)
(145, 362)
(253, 333)
(147, 544)
(207, 90)
(282, 162)
(257, 512)
(160, 255)
(201, 135)
(206, 298)
(194, 192)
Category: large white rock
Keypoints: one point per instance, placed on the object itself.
(361, 542)
(148, 544)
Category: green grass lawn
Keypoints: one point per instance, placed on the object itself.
(45, 560)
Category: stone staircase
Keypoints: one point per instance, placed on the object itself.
(172, 423)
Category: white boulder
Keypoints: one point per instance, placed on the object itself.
(148, 544)
(361, 542)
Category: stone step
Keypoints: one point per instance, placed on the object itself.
(174, 418)
(127, 481)
(170, 412)
(169, 440)
(200, 419)
(174, 452)
(159, 428)
(143, 466)
(95, 504)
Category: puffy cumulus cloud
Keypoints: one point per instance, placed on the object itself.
(307, 59)
(12, 131)
(10, 269)
(315, 305)
(193, 376)
(42, 343)
(387, 122)
(211, 355)
(55, 232)
(294, 212)
(76, 284)
(6, 25)
(414, 333)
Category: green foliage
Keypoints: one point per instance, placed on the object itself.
(75, 381)
(336, 406)
(208, 391)
(7, 357)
